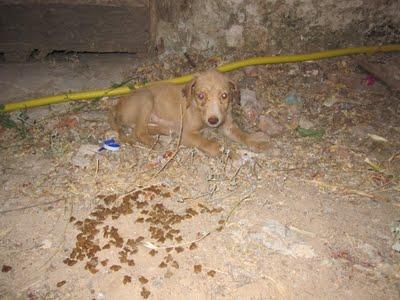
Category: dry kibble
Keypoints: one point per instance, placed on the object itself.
(72, 219)
(168, 258)
(178, 249)
(139, 239)
(143, 280)
(168, 274)
(127, 279)
(175, 264)
(145, 293)
(61, 283)
(162, 265)
(197, 269)
(153, 252)
(115, 268)
(104, 262)
(211, 273)
(193, 246)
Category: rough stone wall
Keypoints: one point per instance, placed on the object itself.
(271, 26)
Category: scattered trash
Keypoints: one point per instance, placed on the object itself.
(310, 132)
(111, 145)
(377, 138)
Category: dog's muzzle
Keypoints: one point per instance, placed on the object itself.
(213, 121)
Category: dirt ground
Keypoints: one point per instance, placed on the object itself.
(311, 218)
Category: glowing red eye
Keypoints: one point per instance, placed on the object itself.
(224, 95)
(200, 96)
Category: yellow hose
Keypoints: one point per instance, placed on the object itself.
(224, 68)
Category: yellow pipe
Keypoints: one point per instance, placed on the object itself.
(179, 80)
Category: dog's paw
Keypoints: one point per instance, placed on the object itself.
(211, 148)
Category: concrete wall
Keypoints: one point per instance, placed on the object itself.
(271, 26)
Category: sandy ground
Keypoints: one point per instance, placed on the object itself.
(311, 218)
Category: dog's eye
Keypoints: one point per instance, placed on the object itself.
(224, 96)
(200, 95)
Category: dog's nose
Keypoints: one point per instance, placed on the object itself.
(213, 120)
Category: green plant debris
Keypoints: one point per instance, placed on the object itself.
(7, 122)
(310, 132)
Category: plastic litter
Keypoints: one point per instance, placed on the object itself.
(110, 144)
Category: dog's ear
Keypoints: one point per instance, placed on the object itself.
(235, 91)
(188, 91)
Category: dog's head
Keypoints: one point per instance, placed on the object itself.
(212, 93)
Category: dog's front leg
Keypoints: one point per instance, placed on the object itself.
(195, 139)
(233, 132)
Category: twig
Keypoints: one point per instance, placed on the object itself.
(202, 195)
(30, 206)
(236, 173)
(237, 204)
(152, 147)
(308, 233)
(97, 166)
(347, 190)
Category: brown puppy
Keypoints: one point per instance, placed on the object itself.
(203, 102)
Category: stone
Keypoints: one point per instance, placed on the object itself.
(269, 126)
(234, 36)
(277, 237)
(292, 99)
(305, 123)
(250, 105)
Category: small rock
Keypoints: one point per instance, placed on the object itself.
(277, 237)
(100, 296)
(331, 101)
(396, 230)
(239, 274)
(46, 244)
(292, 99)
(360, 132)
(248, 97)
(234, 36)
(305, 123)
(370, 251)
(268, 125)
(82, 157)
(94, 116)
(250, 105)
